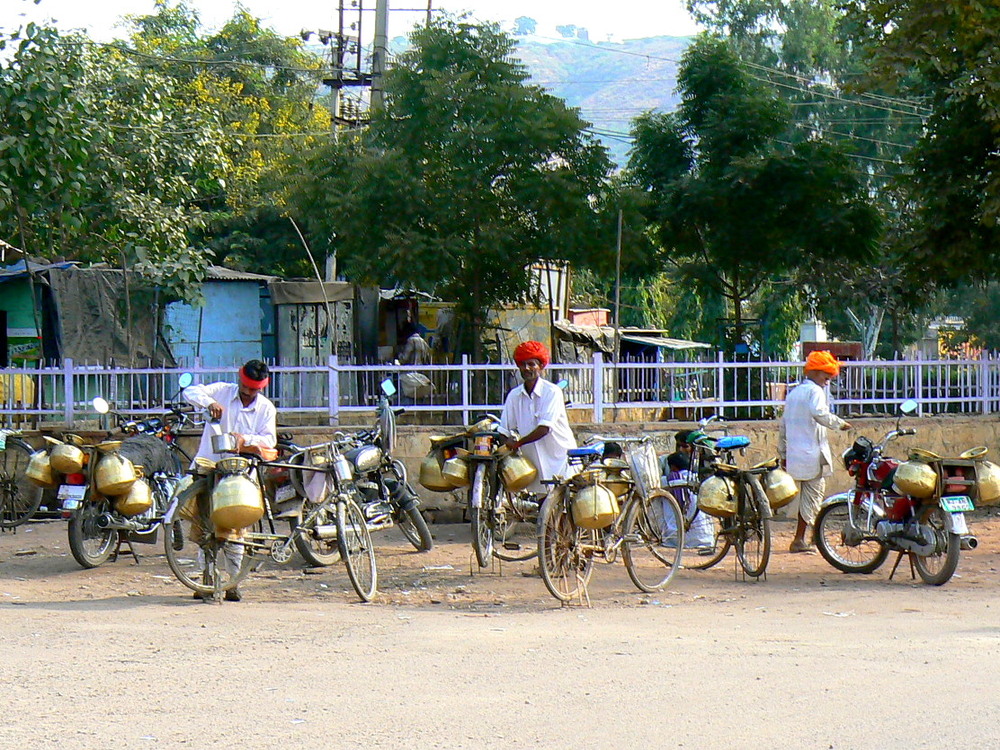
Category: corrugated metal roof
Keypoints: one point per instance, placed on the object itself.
(664, 342)
(221, 273)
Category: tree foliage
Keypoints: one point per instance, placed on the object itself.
(466, 177)
(945, 53)
(155, 151)
(731, 200)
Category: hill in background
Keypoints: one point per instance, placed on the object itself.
(610, 82)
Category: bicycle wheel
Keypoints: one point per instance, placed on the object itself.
(939, 567)
(356, 549)
(720, 531)
(90, 544)
(653, 531)
(515, 528)
(200, 561)
(479, 515)
(844, 545)
(19, 497)
(563, 555)
(753, 529)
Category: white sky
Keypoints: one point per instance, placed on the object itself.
(618, 19)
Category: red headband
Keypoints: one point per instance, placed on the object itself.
(251, 383)
(532, 350)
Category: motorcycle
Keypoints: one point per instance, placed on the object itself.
(915, 508)
(386, 496)
(380, 482)
(117, 491)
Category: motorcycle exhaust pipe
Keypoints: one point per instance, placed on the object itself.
(969, 541)
(107, 521)
(326, 531)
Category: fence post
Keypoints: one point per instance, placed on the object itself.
(597, 373)
(68, 391)
(918, 387)
(720, 383)
(465, 389)
(333, 389)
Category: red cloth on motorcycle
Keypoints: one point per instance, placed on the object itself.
(823, 361)
(251, 383)
(532, 350)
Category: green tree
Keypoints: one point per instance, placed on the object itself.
(729, 196)
(263, 87)
(812, 53)
(945, 53)
(466, 177)
(96, 162)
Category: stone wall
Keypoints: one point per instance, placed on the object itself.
(947, 435)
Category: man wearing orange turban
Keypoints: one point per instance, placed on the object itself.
(536, 410)
(802, 441)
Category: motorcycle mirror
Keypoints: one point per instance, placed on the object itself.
(185, 379)
(909, 406)
(388, 388)
(101, 406)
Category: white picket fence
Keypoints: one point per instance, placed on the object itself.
(324, 392)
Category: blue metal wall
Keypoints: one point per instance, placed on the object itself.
(229, 324)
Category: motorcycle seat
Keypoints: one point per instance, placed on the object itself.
(732, 442)
(587, 450)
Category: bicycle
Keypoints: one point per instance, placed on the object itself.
(738, 507)
(20, 498)
(503, 521)
(211, 560)
(648, 530)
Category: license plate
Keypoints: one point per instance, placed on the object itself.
(957, 503)
(284, 492)
(71, 492)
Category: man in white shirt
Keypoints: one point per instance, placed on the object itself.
(536, 410)
(241, 409)
(802, 441)
(246, 413)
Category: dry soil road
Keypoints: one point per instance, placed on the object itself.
(122, 657)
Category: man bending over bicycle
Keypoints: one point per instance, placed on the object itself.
(242, 410)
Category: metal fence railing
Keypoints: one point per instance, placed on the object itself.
(31, 397)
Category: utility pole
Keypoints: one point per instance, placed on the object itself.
(380, 53)
(618, 286)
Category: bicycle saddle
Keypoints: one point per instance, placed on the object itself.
(731, 442)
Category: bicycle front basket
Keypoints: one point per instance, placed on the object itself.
(645, 468)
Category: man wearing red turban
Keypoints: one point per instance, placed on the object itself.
(536, 410)
(242, 410)
(802, 441)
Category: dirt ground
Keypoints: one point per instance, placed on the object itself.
(450, 657)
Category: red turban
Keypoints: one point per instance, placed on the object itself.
(532, 350)
(823, 362)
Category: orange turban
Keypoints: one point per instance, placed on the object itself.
(823, 362)
(532, 350)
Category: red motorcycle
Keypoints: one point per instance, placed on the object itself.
(914, 507)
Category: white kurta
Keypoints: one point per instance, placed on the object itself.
(802, 438)
(523, 412)
(256, 423)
